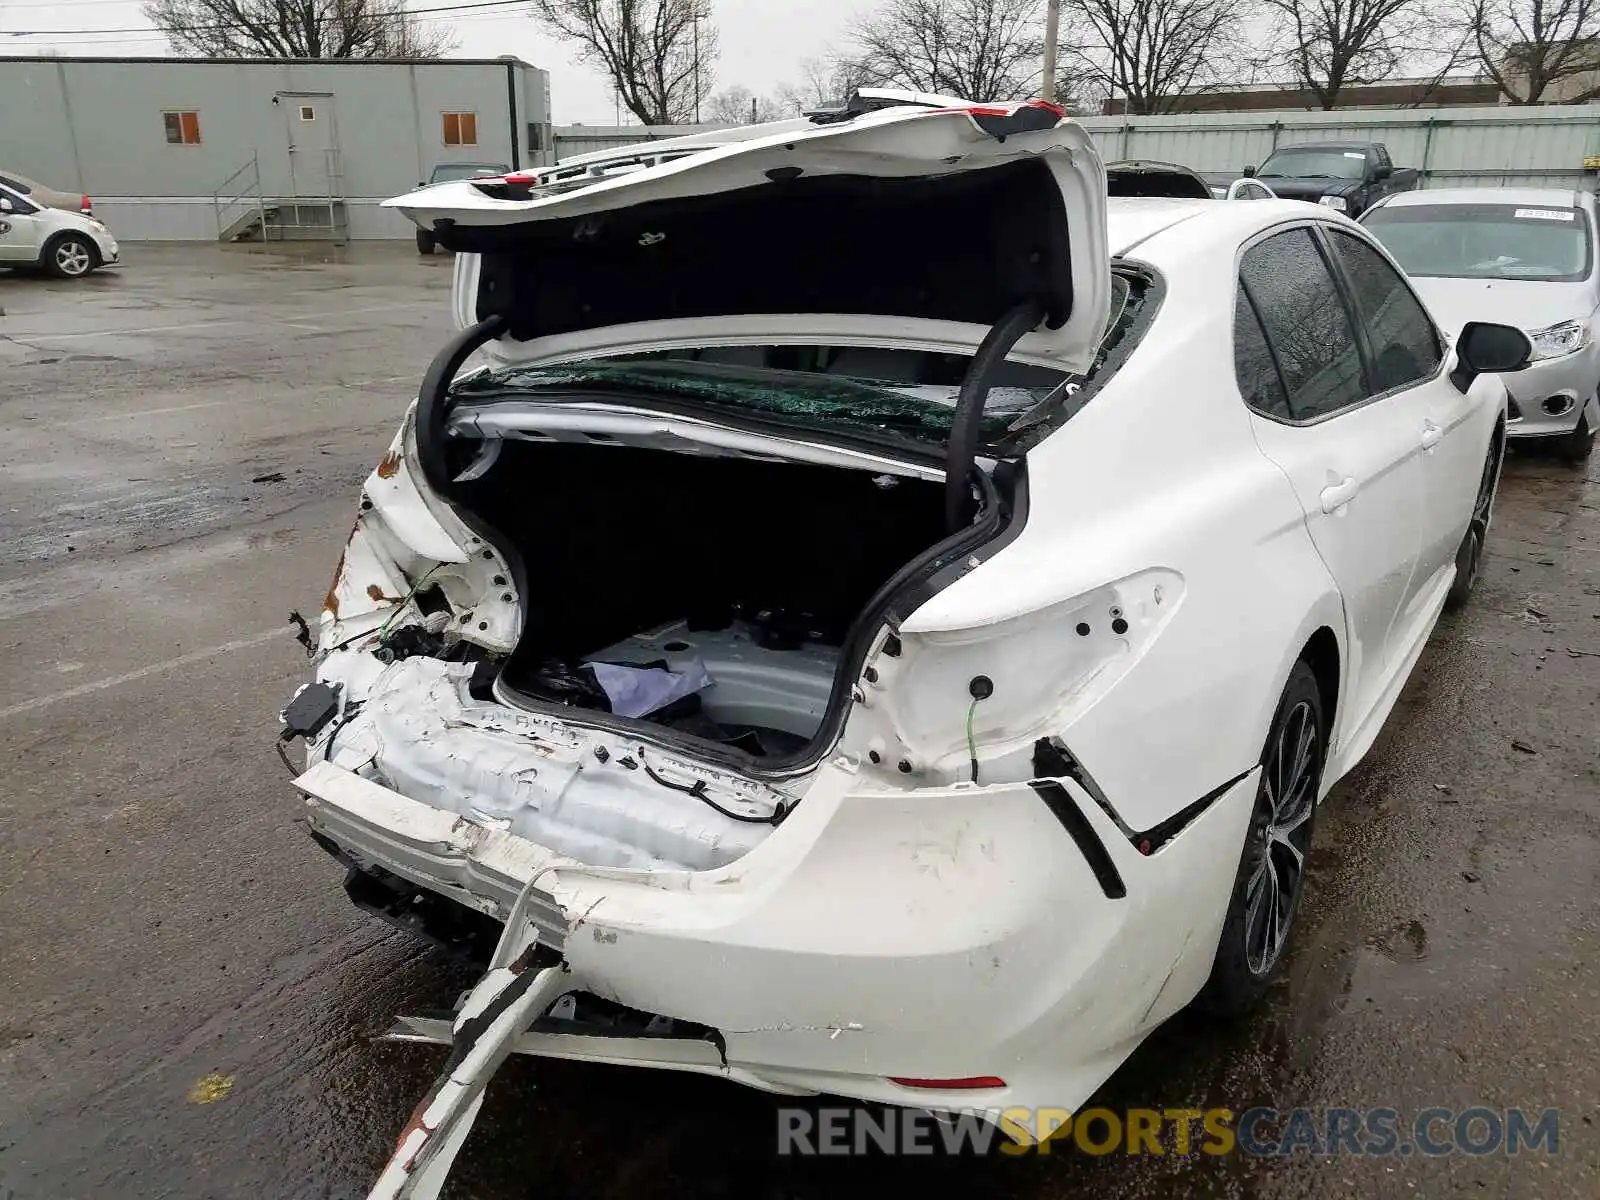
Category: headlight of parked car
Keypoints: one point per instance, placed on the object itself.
(1566, 338)
(1334, 202)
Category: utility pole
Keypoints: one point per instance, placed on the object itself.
(1052, 24)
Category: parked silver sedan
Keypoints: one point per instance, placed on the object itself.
(1519, 256)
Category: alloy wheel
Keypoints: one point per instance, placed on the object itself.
(1281, 837)
(73, 258)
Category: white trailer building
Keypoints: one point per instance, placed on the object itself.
(193, 148)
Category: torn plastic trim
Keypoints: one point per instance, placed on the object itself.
(1052, 759)
(496, 1012)
(1066, 811)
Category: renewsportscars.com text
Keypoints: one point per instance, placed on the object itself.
(1258, 1132)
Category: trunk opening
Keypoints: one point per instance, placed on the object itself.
(763, 572)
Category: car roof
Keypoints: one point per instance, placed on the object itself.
(1318, 146)
(1538, 197)
(1167, 233)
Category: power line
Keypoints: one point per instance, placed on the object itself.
(219, 25)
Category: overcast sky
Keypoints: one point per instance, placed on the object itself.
(763, 43)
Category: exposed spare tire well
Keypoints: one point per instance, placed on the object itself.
(779, 576)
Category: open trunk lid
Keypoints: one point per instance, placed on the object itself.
(912, 227)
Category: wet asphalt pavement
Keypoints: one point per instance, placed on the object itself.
(187, 1000)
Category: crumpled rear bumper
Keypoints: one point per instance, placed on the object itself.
(936, 934)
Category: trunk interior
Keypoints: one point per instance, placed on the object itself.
(753, 570)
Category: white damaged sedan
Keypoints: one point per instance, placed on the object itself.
(844, 638)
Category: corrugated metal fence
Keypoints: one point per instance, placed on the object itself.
(1454, 147)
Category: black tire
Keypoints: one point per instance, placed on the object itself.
(1575, 446)
(69, 256)
(424, 242)
(1469, 555)
(1271, 876)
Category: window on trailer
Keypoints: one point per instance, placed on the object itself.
(183, 128)
(460, 129)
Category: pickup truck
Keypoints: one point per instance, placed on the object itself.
(453, 170)
(1348, 176)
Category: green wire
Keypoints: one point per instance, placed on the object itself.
(399, 608)
(972, 745)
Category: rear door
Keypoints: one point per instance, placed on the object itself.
(1407, 352)
(1350, 449)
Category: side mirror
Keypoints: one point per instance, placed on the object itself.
(1249, 172)
(6, 205)
(1382, 171)
(1487, 349)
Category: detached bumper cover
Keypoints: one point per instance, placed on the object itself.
(936, 934)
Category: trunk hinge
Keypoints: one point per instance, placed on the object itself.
(524, 980)
(433, 397)
(966, 423)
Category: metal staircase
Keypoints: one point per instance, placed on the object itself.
(246, 214)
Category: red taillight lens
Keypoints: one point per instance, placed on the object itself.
(970, 1083)
(85, 206)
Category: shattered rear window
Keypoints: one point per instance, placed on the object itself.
(892, 392)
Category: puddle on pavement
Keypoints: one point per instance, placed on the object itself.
(1404, 942)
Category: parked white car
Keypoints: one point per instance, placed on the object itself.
(1525, 256)
(66, 244)
(855, 641)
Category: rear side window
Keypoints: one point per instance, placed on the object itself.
(1405, 347)
(1259, 382)
(1306, 324)
(16, 185)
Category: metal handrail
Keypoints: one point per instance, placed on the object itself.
(247, 191)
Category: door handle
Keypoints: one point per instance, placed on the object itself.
(1336, 495)
(1431, 434)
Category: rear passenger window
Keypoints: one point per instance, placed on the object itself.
(1306, 324)
(1404, 346)
(1259, 382)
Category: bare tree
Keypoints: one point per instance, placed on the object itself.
(657, 54)
(1152, 52)
(973, 49)
(296, 29)
(1533, 47)
(823, 82)
(738, 105)
(1329, 45)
